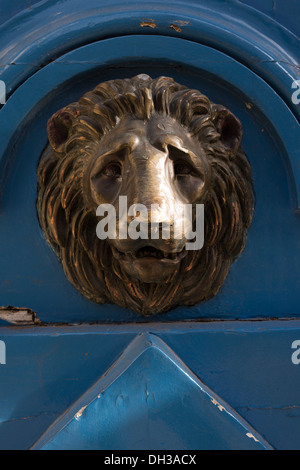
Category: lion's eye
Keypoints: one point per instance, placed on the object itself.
(112, 170)
(182, 169)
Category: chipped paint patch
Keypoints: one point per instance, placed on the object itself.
(19, 316)
(214, 402)
(149, 24)
(251, 436)
(176, 28)
(79, 413)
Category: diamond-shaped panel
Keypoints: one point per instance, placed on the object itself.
(150, 400)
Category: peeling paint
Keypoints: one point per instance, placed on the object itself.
(214, 402)
(176, 28)
(149, 24)
(251, 436)
(79, 413)
(19, 316)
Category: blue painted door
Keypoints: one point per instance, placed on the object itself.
(219, 375)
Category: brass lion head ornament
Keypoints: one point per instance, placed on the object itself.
(160, 145)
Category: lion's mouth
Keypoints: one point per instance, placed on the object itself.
(150, 253)
(149, 264)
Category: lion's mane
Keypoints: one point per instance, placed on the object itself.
(69, 223)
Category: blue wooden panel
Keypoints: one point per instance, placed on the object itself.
(181, 385)
(18, 6)
(45, 372)
(152, 392)
(253, 289)
(286, 12)
(247, 365)
(57, 26)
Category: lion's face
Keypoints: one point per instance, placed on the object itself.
(156, 163)
(161, 146)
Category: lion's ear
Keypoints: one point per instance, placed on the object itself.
(229, 127)
(59, 126)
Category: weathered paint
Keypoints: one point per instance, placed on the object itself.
(174, 388)
(18, 316)
(241, 58)
(275, 226)
(246, 365)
